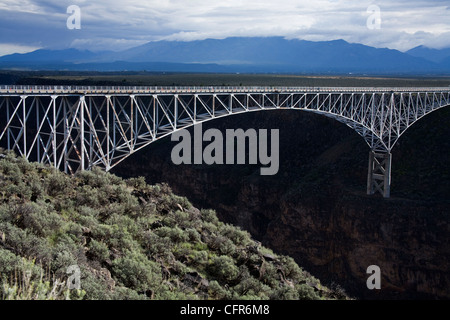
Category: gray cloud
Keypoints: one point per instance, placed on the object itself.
(116, 25)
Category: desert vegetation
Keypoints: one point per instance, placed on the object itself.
(130, 240)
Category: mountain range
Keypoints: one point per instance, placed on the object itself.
(241, 54)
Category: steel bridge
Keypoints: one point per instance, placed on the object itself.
(77, 128)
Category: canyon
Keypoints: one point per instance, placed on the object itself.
(316, 210)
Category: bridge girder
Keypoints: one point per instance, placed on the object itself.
(76, 129)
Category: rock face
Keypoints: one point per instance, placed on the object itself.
(316, 210)
(339, 238)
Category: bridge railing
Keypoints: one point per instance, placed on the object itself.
(34, 89)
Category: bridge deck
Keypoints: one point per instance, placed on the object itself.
(76, 90)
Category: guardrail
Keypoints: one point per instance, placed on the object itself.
(5, 89)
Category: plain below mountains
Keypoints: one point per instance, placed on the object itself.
(242, 54)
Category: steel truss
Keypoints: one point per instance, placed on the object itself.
(78, 128)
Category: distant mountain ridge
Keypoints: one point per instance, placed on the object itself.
(434, 55)
(45, 55)
(242, 54)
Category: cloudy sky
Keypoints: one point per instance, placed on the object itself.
(26, 25)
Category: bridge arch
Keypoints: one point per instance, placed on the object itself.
(347, 122)
(418, 120)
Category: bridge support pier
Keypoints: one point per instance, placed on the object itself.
(379, 176)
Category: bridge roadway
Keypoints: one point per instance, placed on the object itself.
(92, 90)
(78, 127)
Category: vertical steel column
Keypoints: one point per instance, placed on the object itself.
(55, 156)
(155, 115)
(66, 134)
(115, 126)
(91, 131)
(195, 107)
(379, 174)
(108, 133)
(24, 129)
(387, 175)
(391, 125)
(38, 133)
(132, 124)
(136, 118)
(175, 111)
(82, 105)
(8, 130)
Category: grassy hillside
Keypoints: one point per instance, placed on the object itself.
(129, 240)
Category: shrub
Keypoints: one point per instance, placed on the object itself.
(180, 218)
(199, 258)
(10, 169)
(193, 235)
(8, 263)
(239, 237)
(290, 268)
(178, 268)
(168, 293)
(222, 244)
(57, 184)
(124, 293)
(24, 165)
(157, 246)
(95, 287)
(251, 287)
(98, 250)
(96, 178)
(25, 243)
(122, 240)
(88, 211)
(136, 272)
(124, 223)
(40, 218)
(5, 213)
(216, 291)
(284, 293)
(62, 260)
(223, 268)
(36, 188)
(268, 274)
(175, 234)
(87, 196)
(306, 292)
(17, 191)
(149, 209)
(136, 183)
(209, 215)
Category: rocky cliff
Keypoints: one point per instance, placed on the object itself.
(316, 210)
